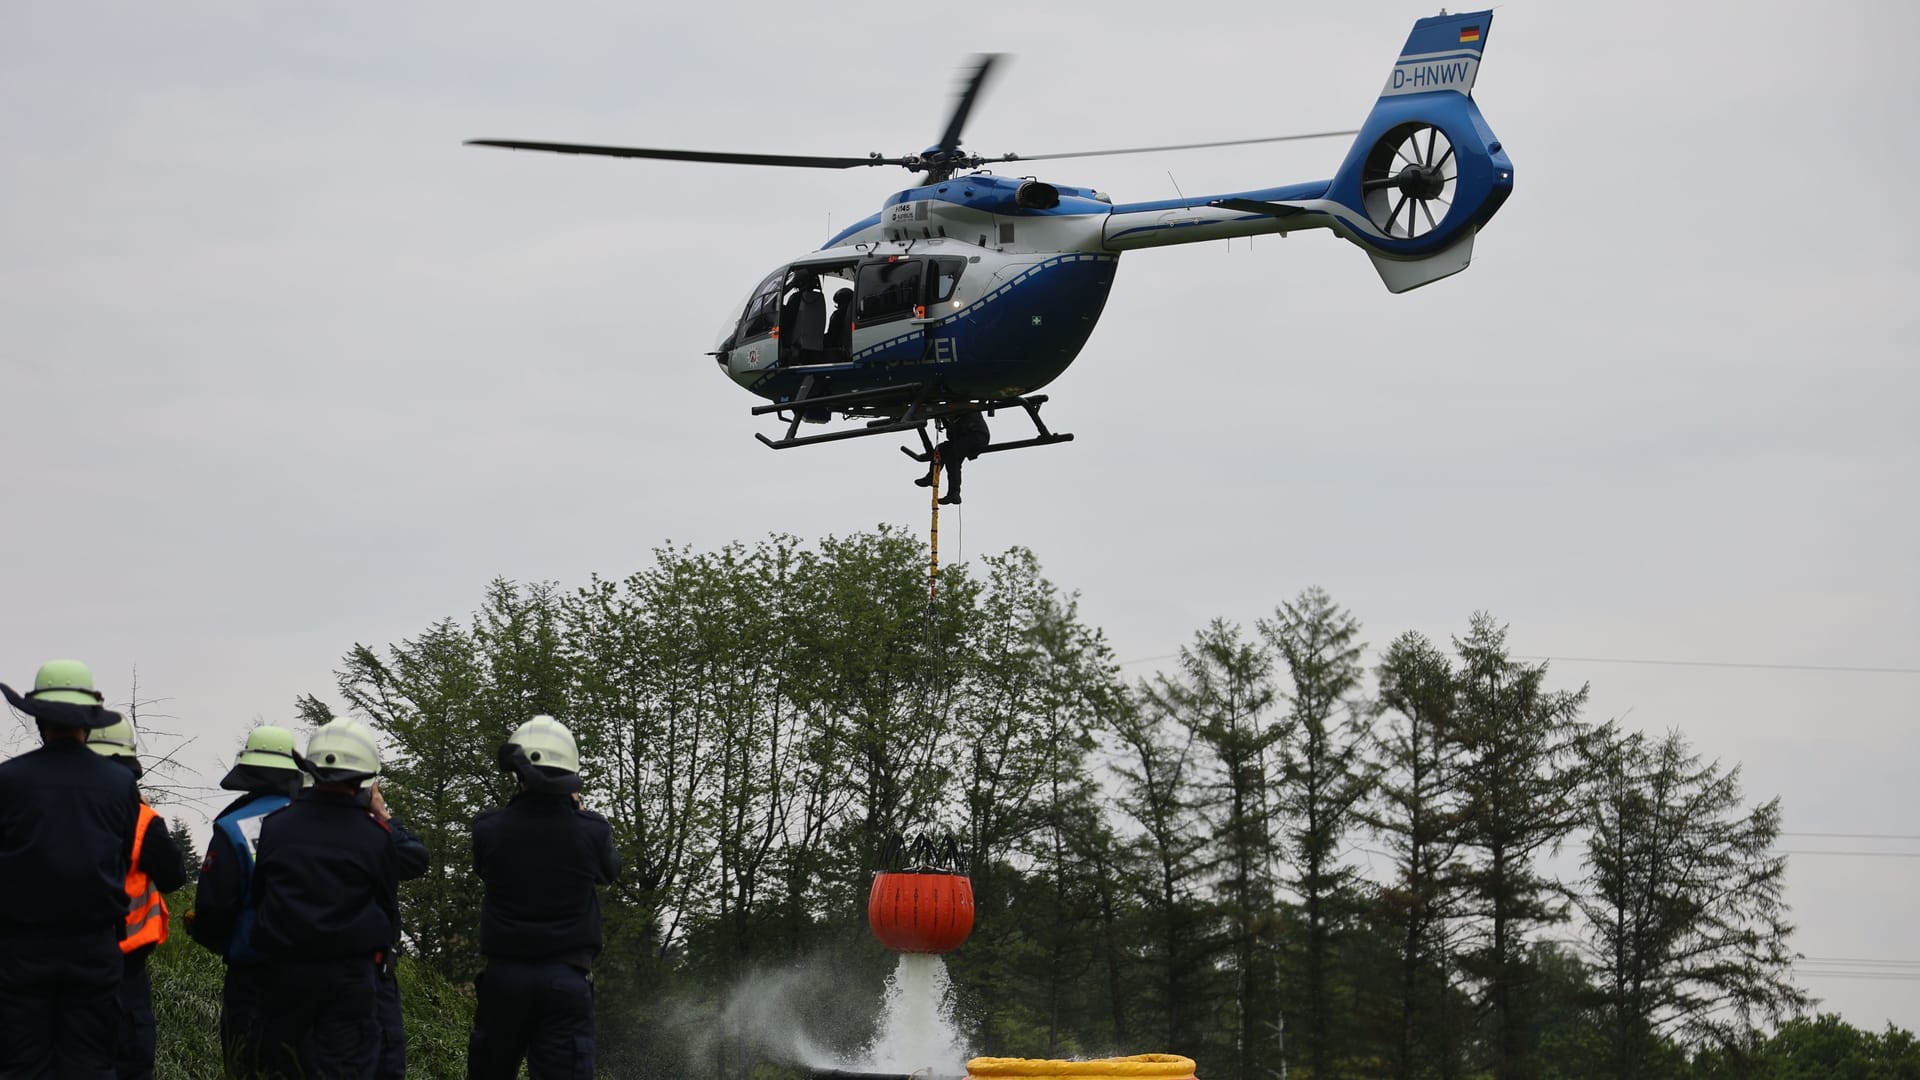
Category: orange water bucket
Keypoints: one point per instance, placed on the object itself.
(1137, 1067)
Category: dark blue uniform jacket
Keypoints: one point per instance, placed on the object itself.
(540, 858)
(66, 836)
(67, 817)
(325, 878)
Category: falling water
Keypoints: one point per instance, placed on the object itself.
(916, 1026)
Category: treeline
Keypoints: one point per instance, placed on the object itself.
(1272, 852)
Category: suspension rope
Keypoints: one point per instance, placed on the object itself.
(934, 663)
(933, 566)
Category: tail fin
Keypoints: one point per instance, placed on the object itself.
(1425, 173)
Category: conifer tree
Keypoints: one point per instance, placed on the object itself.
(1520, 769)
(183, 839)
(1323, 776)
(1684, 905)
(1415, 811)
(1223, 696)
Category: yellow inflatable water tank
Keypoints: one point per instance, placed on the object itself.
(1137, 1067)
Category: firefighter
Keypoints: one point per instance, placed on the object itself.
(67, 820)
(268, 777)
(155, 866)
(412, 862)
(326, 873)
(539, 858)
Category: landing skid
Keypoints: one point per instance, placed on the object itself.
(909, 410)
(915, 413)
(1031, 404)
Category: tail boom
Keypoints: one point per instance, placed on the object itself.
(1422, 178)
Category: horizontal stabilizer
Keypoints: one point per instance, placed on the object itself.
(1257, 206)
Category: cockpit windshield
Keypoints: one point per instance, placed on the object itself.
(763, 307)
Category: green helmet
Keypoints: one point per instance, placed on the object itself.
(268, 747)
(65, 680)
(547, 743)
(343, 751)
(114, 741)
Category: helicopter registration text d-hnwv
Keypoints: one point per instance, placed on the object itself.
(972, 290)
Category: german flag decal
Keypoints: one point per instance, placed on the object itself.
(1469, 33)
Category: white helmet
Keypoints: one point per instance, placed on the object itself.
(341, 751)
(547, 743)
(542, 753)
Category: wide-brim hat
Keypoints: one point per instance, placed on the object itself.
(262, 777)
(62, 708)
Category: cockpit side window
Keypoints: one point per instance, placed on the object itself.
(887, 291)
(946, 277)
(763, 309)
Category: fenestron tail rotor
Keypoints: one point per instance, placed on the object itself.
(1409, 180)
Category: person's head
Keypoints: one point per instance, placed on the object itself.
(55, 733)
(266, 763)
(115, 742)
(63, 702)
(543, 756)
(342, 756)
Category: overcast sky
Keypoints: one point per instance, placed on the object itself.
(285, 367)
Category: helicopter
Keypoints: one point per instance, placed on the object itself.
(971, 290)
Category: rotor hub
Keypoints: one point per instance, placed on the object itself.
(1421, 181)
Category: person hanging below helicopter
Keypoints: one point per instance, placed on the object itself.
(840, 326)
(966, 437)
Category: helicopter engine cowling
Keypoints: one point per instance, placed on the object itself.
(1036, 195)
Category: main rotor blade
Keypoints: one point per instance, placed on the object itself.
(950, 138)
(795, 161)
(1180, 146)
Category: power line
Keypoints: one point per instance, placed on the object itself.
(1727, 664)
(1858, 854)
(1857, 835)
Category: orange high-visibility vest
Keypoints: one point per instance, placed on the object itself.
(146, 911)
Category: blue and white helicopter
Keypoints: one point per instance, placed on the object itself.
(972, 290)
